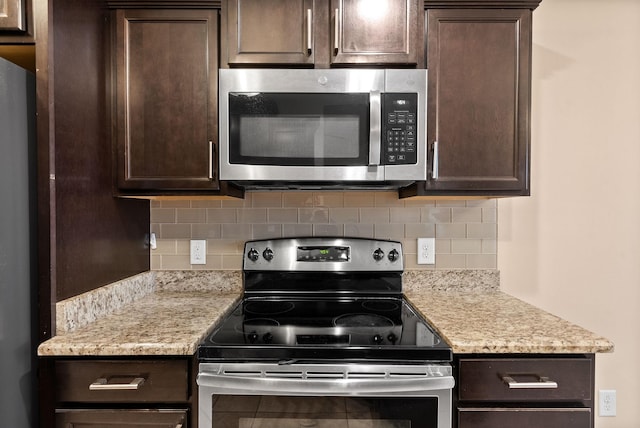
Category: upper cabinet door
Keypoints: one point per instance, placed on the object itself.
(166, 99)
(270, 31)
(321, 33)
(478, 110)
(12, 15)
(375, 31)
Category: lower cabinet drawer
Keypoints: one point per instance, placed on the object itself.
(524, 418)
(115, 381)
(525, 379)
(121, 418)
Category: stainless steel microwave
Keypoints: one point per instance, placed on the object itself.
(300, 128)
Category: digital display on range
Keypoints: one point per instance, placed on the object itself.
(323, 254)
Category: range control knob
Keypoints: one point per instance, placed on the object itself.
(267, 338)
(268, 254)
(392, 338)
(253, 337)
(253, 255)
(378, 255)
(394, 255)
(378, 339)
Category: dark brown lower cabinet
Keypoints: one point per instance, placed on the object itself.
(524, 391)
(121, 392)
(121, 418)
(524, 418)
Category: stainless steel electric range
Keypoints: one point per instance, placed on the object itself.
(324, 337)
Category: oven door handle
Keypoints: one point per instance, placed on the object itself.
(258, 385)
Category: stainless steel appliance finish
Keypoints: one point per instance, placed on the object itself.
(432, 381)
(368, 129)
(18, 221)
(324, 319)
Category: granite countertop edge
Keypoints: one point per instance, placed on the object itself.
(465, 307)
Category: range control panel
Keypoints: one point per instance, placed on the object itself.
(323, 254)
(400, 118)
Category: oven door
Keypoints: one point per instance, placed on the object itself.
(300, 125)
(319, 395)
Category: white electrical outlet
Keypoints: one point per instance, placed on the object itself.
(198, 252)
(607, 402)
(426, 251)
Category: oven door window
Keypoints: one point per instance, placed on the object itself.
(323, 412)
(294, 129)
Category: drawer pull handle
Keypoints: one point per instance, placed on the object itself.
(541, 383)
(101, 384)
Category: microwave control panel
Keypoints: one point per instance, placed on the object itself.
(399, 128)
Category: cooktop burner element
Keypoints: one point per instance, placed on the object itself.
(323, 299)
(356, 321)
(268, 308)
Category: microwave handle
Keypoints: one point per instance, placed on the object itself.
(375, 113)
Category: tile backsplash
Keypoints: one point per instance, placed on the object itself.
(465, 230)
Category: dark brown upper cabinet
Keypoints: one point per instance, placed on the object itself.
(12, 15)
(166, 82)
(322, 33)
(478, 112)
(17, 28)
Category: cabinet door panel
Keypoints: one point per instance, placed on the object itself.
(121, 418)
(270, 31)
(164, 381)
(166, 99)
(12, 15)
(524, 418)
(384, 32)
(479, 95)
(483, 379)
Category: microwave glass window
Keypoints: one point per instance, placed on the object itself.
(299, 129)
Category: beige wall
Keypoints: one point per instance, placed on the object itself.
(573, 247)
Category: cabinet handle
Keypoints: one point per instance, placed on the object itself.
(434, 171)
(309, 31)
(211, 149)
(336, 33)
(541, 383)
(101, 384)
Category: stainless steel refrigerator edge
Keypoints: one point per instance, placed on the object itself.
(17, 246)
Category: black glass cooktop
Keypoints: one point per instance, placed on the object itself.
(350, 328)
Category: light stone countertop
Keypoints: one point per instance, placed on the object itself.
(176, 315)
(495, 322)
(161, 323)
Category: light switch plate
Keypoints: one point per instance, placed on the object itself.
(198, 252)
